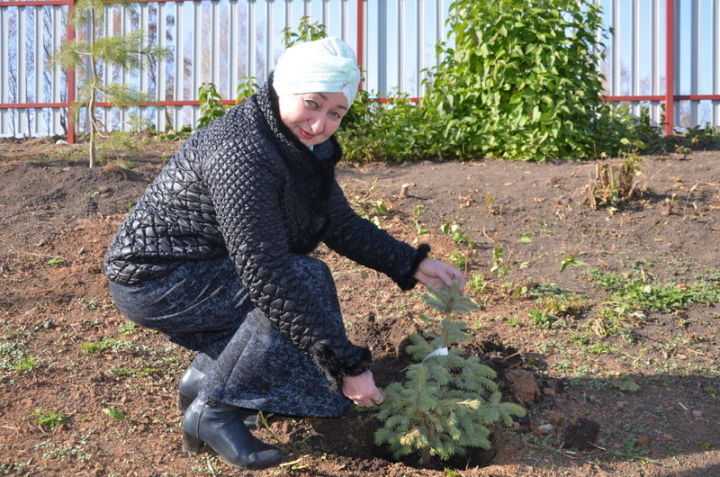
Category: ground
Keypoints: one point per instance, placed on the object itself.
(613, 383)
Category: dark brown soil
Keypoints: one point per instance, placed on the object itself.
(582, 420)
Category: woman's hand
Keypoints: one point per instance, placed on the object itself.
(434, 273)
(361, 389)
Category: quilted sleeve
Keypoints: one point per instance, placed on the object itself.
(360, 240)
(246, 195)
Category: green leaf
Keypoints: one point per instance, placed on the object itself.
(115, 414)
(570, 261)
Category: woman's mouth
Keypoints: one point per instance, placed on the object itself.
(304, 134)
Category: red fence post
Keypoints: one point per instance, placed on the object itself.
(669, 67)
(70, 76)
(360, 35)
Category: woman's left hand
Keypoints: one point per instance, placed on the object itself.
(434, 273)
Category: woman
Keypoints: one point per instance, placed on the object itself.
(214, 255)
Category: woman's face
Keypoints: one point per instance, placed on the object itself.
(312, 117)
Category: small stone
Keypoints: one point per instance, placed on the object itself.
(62, 142)
(404, 190)
(697, 414)
(544, 429)
(549, 391)
(49, 325)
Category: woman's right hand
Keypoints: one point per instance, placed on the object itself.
(361, 389)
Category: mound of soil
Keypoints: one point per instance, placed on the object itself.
(65, 348)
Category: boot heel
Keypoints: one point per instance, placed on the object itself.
(184, 402)
(191, 444)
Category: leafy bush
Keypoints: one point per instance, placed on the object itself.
(307, 31)
(394, 130)
(521, 80)
(210, 106)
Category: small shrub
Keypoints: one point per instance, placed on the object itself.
(448, 402)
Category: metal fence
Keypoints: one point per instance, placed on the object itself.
(664, 54)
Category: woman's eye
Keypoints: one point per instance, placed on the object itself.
(311, 103)
(335, 115)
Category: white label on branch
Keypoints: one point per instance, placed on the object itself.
(438, 352)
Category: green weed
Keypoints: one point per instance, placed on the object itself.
(56, 261)
(64, 451)
(477, 283)
(13, 357)
(570, 262)
(549, 289)
(640, 291)
(454, 231)
(115, 414)
(600, 348)
(459, 259)
(498, 262)
(525, 238)
(135, 372)
(420, 229)
(379, 208)
(105, 344)
(127, 328)
(631, 450)
(28, 363)
(50, 419)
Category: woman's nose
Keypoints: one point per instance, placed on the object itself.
(317, 125)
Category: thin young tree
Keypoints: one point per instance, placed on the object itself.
(94, 51)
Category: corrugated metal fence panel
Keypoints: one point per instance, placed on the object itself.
(28, 36)
(405, 33)
(636, 57)
(225, 41)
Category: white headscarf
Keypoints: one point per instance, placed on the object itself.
(321, 66)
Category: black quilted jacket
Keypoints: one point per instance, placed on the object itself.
(246, 187)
